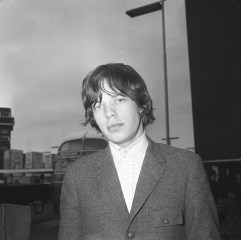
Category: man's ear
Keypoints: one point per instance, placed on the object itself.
(141, 109)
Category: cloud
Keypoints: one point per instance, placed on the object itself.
(47, 47)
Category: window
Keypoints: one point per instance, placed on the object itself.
(3, 148)
(6, 120)
(4, 131)
(72, 145)
(5, 114)
(5, 138)
(94, 144)
(76, 144)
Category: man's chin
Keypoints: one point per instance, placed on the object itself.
(116, 139)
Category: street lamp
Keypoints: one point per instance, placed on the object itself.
(148, 9)
(144, 9)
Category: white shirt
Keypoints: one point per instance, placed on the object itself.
(128, 162)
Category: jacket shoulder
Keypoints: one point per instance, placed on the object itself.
(177, 160)
(170, 150)
(88, 161)
(173, 154)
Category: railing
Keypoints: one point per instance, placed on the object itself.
(6, 120)
(222, 160)
(27, 170)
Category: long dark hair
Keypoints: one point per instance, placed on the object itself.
(122, 79)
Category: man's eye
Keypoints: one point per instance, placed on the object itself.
(120, 99)
(96, 107)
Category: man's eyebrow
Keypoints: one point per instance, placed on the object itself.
(115, 94)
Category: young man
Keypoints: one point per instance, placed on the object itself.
(135, 188)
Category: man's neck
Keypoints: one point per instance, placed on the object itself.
(140, 138)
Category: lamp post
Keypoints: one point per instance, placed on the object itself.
(148, 9)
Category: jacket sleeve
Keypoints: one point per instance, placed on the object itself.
(70, 223)
(201, 219)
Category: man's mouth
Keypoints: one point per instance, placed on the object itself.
(114, 126)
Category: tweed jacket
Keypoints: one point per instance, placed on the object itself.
(172, 201)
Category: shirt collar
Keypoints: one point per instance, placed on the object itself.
(137, 146)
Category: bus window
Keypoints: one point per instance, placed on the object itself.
(65, 147)
(93, 144)
(72, 145)
(76, 145)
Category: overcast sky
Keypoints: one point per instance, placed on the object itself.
(48, 46)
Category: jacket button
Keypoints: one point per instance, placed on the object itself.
(130, 235)
(166, 221)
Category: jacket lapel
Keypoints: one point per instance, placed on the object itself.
(109, 185)
(150, 175)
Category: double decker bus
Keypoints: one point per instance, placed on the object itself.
(73, 147)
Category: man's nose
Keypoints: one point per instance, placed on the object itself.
(110, 110)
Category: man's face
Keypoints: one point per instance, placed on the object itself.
(118, 117)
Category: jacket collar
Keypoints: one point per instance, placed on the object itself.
(151, 172)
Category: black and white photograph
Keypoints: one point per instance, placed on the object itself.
(120, 119)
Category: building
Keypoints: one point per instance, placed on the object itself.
(6, 126)
(214, 43)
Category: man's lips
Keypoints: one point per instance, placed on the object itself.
(114, 125)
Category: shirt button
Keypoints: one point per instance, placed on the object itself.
(130, 235)
(166, 221)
